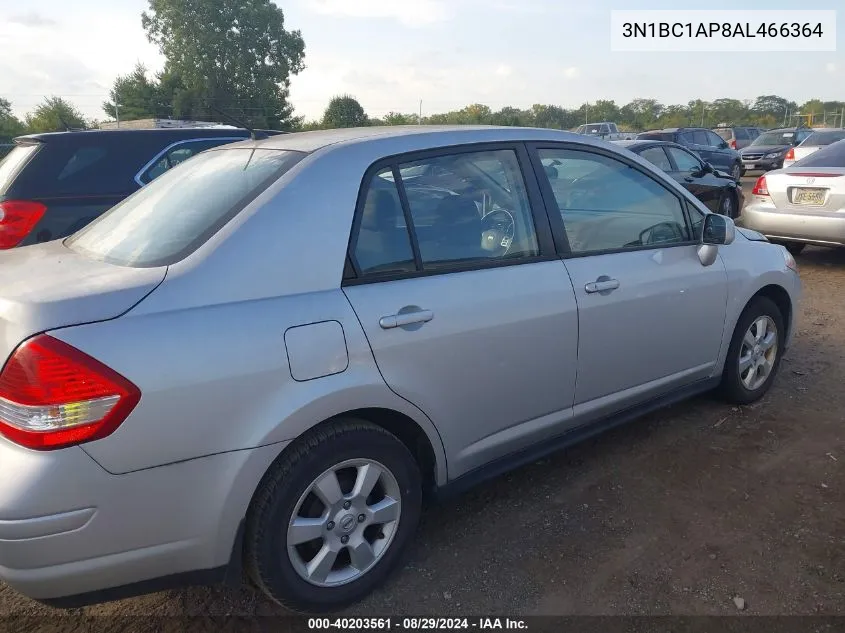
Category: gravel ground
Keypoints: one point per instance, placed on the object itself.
(678, 513)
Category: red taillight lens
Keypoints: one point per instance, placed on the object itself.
(760, 188)
(52, 396)
(17, 219)
(790, 154)
(732, 143)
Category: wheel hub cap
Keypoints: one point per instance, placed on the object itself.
(758, 353)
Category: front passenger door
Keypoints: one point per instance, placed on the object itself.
(650, 315)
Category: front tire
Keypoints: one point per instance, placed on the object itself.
(728, 205)
(333, 517)
(755, 353)
(736, 172)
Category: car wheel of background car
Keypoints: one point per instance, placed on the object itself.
(795, 247)
(736, 171)
(755, 352)
(332, 517)
(727, 205)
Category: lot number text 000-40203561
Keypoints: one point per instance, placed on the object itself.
(723, 31)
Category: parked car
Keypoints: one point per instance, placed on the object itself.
(52, 185)
(606, 130)
(768, 150)
(804, 203)
(814, 142)
(737, 137)
(716, 189)
(711, 147)
(280, 346)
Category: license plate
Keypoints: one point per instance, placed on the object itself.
(812, 197)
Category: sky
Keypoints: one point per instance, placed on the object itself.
(392, 54)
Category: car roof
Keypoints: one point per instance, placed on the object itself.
(435, 136)
(164, 133)
(643, 142)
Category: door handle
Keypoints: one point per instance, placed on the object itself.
(407, 318)
(605, 285)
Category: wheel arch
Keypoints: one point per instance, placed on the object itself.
(780, 297)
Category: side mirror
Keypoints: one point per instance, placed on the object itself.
(708, 168)
(718, 230)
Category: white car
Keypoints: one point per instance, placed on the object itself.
(802, 204)
(814, 142)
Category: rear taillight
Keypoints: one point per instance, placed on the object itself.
(53, 396)
(790, 154)
(17, 219)
(760, 188)
(732, 143)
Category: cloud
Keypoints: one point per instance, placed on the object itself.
(416, 13)
(573, 72)
(504, 70)
(831, 67)
(32, 19)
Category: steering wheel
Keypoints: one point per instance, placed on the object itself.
(498, 228)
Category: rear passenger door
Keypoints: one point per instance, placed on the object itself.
(650, 315)
(469, 312)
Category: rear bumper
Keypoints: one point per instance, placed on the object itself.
(68, 527)
(799, 227)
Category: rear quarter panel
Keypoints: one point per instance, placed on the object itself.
(218, 379)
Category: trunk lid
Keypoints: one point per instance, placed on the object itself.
(811, 190)
(48, 286)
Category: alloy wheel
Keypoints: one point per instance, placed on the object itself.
(758, 353)
(344, 522)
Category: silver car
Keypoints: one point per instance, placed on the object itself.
(802, 204)
(263, 360)
(813, 143)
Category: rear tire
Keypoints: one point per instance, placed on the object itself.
(753, 358)
(293, 523)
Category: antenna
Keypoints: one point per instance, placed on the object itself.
(255, 136)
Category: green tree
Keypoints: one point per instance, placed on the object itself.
(603, 110)
(135, 96)
(772, 108)
(344, 111)
(397, 118)
(235, 56)
(10, 125)
(55, 115)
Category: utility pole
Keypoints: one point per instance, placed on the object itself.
(587, 113)
(702, 114)
(117, 113)
(419, 120)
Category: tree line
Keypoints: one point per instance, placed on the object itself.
(227, 60)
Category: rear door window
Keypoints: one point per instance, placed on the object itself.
(657, 157)
(741, 134)
(171, 217)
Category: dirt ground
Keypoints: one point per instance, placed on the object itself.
(678, 513)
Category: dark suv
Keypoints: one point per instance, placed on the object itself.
(711, 147)
(768, 150)
(51, 185)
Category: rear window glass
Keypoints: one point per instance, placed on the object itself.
(171, 217)
(820, 139)
(830, 156)
(725, 133)
(13, 161)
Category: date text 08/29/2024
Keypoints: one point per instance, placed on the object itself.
(416, 624)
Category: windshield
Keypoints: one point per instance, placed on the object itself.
(832, 155)
(775, 138)
(12, 163)
(820, 139)
(172, 216)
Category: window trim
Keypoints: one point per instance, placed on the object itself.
(226, 139)
(537, 208)
(681, 148)
(556, 218)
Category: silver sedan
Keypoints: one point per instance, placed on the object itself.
(802, 204)
(264, 359)
(813, 143)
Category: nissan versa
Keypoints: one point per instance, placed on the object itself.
(263, 360)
